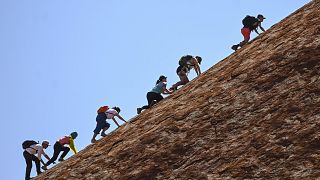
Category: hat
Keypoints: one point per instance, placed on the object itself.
(260, 16)
(46, 142)
(162, 77)
(74, 135)
(117, 109)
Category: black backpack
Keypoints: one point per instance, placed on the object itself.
(248, 21)
(184, 59)
(27, 143)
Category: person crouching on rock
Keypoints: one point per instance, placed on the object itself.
(154, 95)
(59, 146)
(102, 124)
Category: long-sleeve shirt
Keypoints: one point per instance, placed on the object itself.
(68, 140)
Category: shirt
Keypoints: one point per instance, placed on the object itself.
(111, 113)
(159, 87)
(36, 149)
(68, 140)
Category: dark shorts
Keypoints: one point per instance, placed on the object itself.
(101, 123)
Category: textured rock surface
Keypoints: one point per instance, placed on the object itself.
(256, 114)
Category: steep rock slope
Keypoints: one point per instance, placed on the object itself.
(253, 115)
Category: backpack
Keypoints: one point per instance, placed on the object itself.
(248, 21)
(184, 59)
(102, 109)
(27, 143)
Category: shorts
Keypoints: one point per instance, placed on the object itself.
(246, 33)
(101, 123)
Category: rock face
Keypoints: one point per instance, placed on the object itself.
(256, 114)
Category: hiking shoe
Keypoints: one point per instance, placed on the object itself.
(44, 168)
(93, 140)
(235, 47)
(139, 110)
(60, 159)
(103, 134)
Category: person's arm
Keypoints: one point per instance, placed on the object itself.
(262, 29)
(43, 162)
(118, 115)
(166, 91)
(46, 156)
(196, 66)
(71, 145)
(114, 120)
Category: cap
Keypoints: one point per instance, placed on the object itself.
(74, 135)
(260, 16)
(117, 109)
(46, 142)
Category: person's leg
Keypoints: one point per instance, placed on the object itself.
(28, 159)
(56, 151)
(101, 119)
(246, 36)
(37, 161)
(158, 97)
(65, 152)
(149, 98)
(106, 127)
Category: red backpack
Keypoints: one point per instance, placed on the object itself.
(102, 109)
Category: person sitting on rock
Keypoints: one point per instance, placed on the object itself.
(154, 96)
(105, 113)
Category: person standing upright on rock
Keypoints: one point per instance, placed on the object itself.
(186, 63)
(154, 96)
(250, 23)
(105, 113)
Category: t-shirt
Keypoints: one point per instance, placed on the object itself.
(159, 87)
(111, 113)
(36, 149)
(64, 140)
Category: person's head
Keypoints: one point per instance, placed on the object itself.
(162, 78)
(260, 17)
(45, 144)
(199, 59)
(74, 135)
(117, 109)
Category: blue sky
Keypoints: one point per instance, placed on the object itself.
(61, 60)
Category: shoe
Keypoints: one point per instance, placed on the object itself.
(44, 168)
(93, 140)
(103, 134)
(60, 159)
(235, 47)
(139, 110)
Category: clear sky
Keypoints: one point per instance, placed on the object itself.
(61, 60)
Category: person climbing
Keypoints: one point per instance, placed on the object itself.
(154, 96)
(32, 148)
(59, 146)
(184, 68)
(250, 23)
(105, 113)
